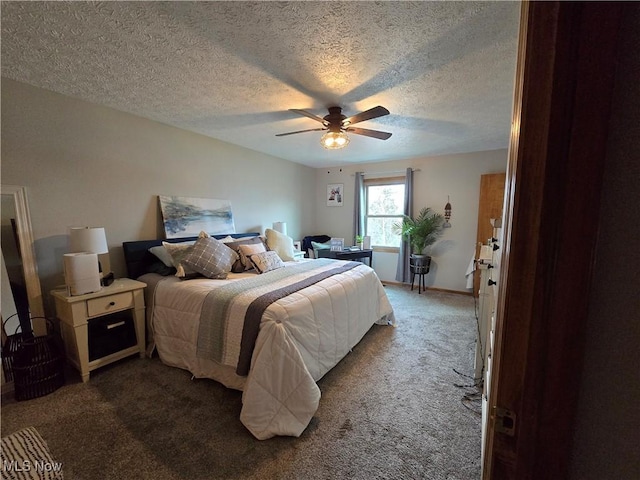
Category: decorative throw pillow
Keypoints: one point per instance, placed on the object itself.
(246, 251)
(281, 244)
(211, 258)
(243, 264)
(266, 261)
(178, 251)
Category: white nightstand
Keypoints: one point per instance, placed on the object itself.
(102, 327)
(298, 255)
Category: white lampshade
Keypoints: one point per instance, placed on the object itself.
(88, 239)
(280, 227)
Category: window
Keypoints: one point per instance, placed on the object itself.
(384, 200)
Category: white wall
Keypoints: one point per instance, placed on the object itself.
(84, 164)
(457, 176)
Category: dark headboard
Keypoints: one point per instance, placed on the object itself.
(139, 259)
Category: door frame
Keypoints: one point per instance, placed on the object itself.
(563, 90)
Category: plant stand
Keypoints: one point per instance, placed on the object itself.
(419, 265)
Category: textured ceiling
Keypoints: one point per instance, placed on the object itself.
(231, 70)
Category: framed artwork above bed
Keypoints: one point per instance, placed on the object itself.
(188, 216)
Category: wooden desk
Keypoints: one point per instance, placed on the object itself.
(350, 255)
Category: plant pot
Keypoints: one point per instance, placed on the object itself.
(420, 261)
(419, 266)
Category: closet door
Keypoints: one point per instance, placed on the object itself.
(489, 206)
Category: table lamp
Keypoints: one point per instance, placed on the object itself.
(88, 239)
(280, 227)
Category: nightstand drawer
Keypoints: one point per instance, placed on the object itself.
(110, 334)
(112, 303)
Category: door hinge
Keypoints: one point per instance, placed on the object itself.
(505, 421)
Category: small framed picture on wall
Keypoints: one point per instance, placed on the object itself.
(334, 194)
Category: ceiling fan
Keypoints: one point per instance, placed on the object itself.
(337, 125)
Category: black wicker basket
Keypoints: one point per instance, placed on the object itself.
(10, 347)
(38, 366)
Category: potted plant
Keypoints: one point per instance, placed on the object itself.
(359, 240)
(421, 231)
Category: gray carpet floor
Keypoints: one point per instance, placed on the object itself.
(396, 407)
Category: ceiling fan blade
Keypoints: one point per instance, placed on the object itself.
(308, 114)
(374, 112)
(300, 131)
(369, 133)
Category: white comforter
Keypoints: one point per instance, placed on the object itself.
(302, 336)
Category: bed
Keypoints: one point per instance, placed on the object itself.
(271, 335)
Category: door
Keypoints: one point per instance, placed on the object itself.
(564, 81)
(490, 206)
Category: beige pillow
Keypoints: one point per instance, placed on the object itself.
(161, 253)
(238, 266)
(266, 261)
(280, 243)
(246, 251)
(178, 252)
(229, 239)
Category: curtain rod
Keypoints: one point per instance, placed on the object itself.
(389, 172)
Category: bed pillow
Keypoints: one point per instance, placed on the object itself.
(243, 263)
(211, 258)
(266, 261)
(161, 254)
(178, 251)
(281, 244)
(319, 246)
(229, 239)
(246, 251)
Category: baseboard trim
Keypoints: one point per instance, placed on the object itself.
(434, 289)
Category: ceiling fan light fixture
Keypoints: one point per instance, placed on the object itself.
(334, 140)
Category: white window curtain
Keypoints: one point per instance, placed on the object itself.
(402, 270)
(359, 206)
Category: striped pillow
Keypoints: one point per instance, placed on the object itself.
(26, 448)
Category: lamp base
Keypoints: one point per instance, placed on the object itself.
(81, 273)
